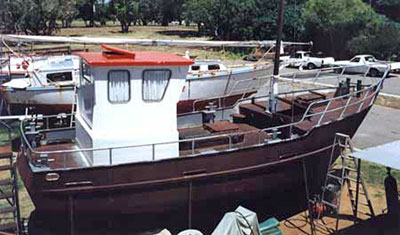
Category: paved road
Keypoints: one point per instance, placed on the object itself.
(391, 85)
(382, 125)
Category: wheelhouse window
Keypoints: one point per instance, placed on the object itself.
(86, 76)
(195, 67)
(87, 94)
(59, 77)
(155, 84)
(119, 86)
(213, 67)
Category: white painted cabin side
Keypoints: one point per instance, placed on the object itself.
(127, 105)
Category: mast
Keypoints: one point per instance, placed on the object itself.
(273, 89)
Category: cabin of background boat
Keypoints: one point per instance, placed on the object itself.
(129, 98)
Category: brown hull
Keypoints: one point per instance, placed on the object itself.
(266, 179)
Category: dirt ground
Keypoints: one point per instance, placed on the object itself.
(298, 224)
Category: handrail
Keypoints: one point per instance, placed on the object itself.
(376, 87)
(293, 77)
(249, 88)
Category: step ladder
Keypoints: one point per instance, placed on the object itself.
(10, 220)
(73, 108)
(346, 174)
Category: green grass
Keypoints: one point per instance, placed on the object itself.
(375, 174)
(176, 32)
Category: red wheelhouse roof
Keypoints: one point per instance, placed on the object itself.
(112, 56)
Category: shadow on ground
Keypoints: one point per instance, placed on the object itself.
(180, 33)
(381, 224)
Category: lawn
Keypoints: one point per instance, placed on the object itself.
(175, 32)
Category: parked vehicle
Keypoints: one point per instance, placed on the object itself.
(305, 59)
(364, 64)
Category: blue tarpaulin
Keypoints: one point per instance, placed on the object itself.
(386, 155)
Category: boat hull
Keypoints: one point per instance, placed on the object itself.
(43, 100)
(174, 193)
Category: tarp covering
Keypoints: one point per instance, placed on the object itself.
(17, 83)
(386, 155)
(240, 222)
(144, 42)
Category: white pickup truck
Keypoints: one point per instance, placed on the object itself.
(361, 64)
(305, 59)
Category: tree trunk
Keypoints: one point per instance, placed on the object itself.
(164, 22)
(125, 27)
(332, 44)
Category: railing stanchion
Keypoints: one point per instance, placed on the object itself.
(192, 146)
(153, 151)
(319, 71)
(343, 70)
(47, 123)
(65, 161)
(363, 100)
(110, 155)
(323, 113)
(345, 107)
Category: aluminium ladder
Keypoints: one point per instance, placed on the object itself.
(350, 175)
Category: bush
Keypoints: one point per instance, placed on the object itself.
(382, 41)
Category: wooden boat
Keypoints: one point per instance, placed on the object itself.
(213, 82)
(47, 88)
(126, 155)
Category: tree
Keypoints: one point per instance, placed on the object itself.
(87, 9)
(169, 10)
(68, 12)
(33, 16)
(382, 41)
(147, 11)
(389, 8)
(198, 11)
(126, 11)
(337, 22)
(246, 19)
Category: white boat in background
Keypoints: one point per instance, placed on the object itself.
(19, 67)
(210, 79)
(47, 88)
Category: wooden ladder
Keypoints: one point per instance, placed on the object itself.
(10, 220)
(348, 173)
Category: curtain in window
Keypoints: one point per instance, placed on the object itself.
(118, 86)
(155, 83)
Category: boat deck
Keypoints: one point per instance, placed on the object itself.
(245, 129)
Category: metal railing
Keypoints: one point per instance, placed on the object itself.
(315, 76)
(264, 136)
(253, 84)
